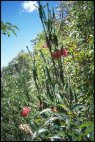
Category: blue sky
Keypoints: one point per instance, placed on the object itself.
(26, 18)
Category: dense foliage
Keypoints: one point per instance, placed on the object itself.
(48, 94)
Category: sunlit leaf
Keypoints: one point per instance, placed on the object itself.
(86, 124)
(45, 110)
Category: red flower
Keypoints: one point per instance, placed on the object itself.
(25, 111)
(63, 52)
(56, 54)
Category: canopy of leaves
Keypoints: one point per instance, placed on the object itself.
(7, 28)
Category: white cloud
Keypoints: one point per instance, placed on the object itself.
(28, 6)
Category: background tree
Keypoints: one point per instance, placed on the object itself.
(7, 28)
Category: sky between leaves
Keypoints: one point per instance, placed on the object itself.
(25, 16)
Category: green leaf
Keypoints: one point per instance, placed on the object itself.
(55, 137)
(77, 106)
(59, 98)
(51, 119)
(86, 124)
(89, 130)
(13, 32)
(45, 110)
(8, 23)
(72, 134)
(47, 99)
(61, 133)
(42, 130)
(64, 107)
(34, 135)
(8, 33)
(16, 27)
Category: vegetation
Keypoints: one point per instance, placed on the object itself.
(7, 28)
(56, 80)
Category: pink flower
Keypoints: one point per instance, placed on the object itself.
(63, 52)
(56, 54)
(25, 111)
